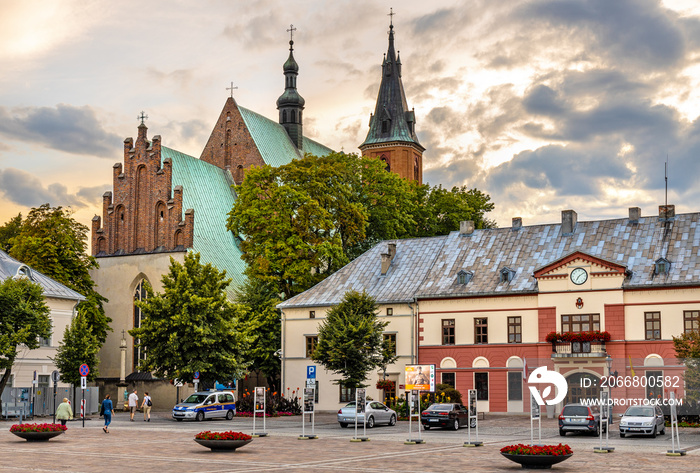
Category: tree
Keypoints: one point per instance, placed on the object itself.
(8, 231)
(261, 319)
(687, 348)
(24, 317)
(305, 220)
(53, 243)
(351, 340)
(78, 346)
(191, 327)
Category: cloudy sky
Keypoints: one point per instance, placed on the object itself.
(543, 104)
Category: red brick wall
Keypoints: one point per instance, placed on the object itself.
(230, 144)
(131, 215)
(546, 321)
(615, 321)
(401, 160)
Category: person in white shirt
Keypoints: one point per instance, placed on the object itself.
(133, 403)
(146, 406)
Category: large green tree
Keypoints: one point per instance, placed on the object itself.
(305, 220)
(24, 317)
(8, 231)
(52, 242)
(261, 321)
(351, 340)
(191, 327)
(79, 345)
(687, 347)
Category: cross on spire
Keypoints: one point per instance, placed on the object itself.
(291, 31)
(391, 15)
(142, 117)
(232, 88)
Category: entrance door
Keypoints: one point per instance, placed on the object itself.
(582, 386)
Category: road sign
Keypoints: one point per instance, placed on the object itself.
(55, 375)
(311, 372)
(84, 370)
(83, 382)
(196, 375)
(177, 383)
(310, 383)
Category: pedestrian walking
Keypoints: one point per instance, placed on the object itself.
(107, 408)
(133, 403)
(146, 406)
(64, 411)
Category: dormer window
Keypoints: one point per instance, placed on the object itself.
(24, 272)
(662, 266)
(507, 274)
(463, 277)
(385, 126)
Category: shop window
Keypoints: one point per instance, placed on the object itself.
(515, 386)
(481, 382)
(346, 394)
(449, 378)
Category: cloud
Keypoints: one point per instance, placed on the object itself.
(26, 189)
(66, 128)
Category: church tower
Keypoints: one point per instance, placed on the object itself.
(392, 128)
(290, 104)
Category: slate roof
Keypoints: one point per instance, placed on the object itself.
(273, 142)
(428, 267)
(9, 268)
(207, 189)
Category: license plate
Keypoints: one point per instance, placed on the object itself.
(432, 420)
(635, 429)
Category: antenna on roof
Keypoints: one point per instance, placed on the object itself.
(666, 179)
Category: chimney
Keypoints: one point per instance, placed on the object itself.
(635, 214)
(568, 222)
(517, 223)
(466, 227)
(388, 257)
(667, 212)
(392, 250)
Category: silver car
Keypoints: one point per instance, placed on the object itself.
(647, 420)
(377, 413)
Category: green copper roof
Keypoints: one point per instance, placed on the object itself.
(207, 189)
(273, 141)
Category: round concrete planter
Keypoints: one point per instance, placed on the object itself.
(536, 462)
(38, 436)
(223, 445)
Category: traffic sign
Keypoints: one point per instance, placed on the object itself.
(55, 375)
(310, 383)
(196, 375)
(83, 382)
(311, 372)
(84, 370)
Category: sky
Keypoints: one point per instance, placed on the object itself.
(545, 105)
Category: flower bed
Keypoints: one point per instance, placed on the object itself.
(685, 424)
(230, 435)
(38, 428)
(520, 449)
(595, 336)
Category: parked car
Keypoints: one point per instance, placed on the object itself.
(206, 405)
(648, 420)
(580, 418)
(377, 413)
(447, 415)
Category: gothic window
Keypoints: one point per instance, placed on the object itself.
(101, 245)
(284, 116)
(119, 230)
(139, 353)
(387, 166)
(416, 174)
(239, 174)
(160, 226)
(178, 238)
(294, 116)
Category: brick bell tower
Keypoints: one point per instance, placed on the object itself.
(392, 127)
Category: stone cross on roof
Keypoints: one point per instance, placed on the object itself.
(232, 88)
(142, 117)
(291, 31)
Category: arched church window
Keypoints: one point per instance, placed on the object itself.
(284, 116)
(387, 166)
(294, 116)
(139, 353)
(416, 174)
(239, 174)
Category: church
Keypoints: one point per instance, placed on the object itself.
(165, 203)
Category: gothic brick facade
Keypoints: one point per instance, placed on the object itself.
(144, 214)
(400, 158)
(230, 145)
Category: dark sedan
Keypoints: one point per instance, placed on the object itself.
(452, 416)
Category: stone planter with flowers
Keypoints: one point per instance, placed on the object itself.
(537, 456)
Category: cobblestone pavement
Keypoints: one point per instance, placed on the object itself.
(165, 446)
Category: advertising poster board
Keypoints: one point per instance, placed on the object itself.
(420, 378)
(309, 399)
(259, 398)
(361, 397)
(415, 403)
(534, 408)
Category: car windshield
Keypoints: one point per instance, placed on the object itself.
(196, 398)
(637, 411)
(440, 407)
(575, 411)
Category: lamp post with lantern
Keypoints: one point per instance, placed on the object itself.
(609, 362)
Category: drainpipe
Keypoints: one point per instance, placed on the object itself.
(284, 351)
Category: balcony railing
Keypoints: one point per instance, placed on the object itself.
(578, 349)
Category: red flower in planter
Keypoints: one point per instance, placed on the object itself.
(593, 336)
(38, 428)
(521, 449)
(230, 435)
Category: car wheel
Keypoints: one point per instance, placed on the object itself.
(344, 425)
(392, 420)
(455, 425)
(200, 416)
(562, 433)
(622, 435)
(653, 433)
(370, 422)
(596, 432)
(229, 415)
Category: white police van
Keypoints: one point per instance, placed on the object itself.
(206, 405)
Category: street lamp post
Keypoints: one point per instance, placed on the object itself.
(609, 362)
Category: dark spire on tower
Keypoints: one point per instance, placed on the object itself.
(290, 104)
